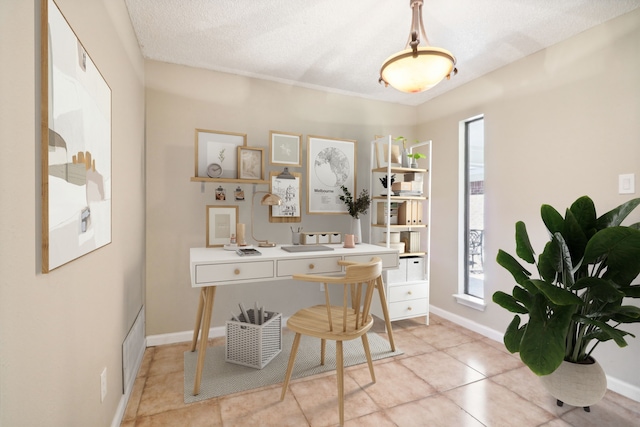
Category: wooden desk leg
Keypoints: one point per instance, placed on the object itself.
(209, 292)
(196, 329)
(385, 311)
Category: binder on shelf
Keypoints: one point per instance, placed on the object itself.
(411, 240)
(381, 214)
(404, 213)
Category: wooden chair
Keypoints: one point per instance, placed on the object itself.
(345, 322)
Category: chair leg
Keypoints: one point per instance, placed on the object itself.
(367, 352)
(323, 347)
(340, 377)
(292, 360)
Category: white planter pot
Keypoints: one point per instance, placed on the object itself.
(577, 384)
(356, 230)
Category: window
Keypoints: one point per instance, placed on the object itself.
(472, 233)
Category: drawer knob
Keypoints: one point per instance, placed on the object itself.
(311, 266)
(409, 308)
(409, 293)
(236, 271)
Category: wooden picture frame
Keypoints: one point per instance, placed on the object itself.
(221, 224)
(286, 149)
(75, 145)
(251, 163)
(290, 191)
(382, 153)
(330, 164)
(215, 147)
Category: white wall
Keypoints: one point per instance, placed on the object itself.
(59, 330)
(559, 124)
(181, 99)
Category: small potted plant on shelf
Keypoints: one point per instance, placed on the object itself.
(356, 207)
(387, 182)
(414, 159)
(585, 273)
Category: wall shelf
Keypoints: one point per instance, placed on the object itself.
(229, 180)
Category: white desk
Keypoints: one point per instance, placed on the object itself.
(213, 267)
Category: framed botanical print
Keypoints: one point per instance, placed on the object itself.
(286, 149)
(250, 163)
(217, 153)
(221, 224)
(330, 165)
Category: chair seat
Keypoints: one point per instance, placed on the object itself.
(313, 321)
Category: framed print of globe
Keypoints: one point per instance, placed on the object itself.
(330, 165)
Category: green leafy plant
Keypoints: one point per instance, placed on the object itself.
(357, 206)
(416, 156)
(584, 275)
(383, 180)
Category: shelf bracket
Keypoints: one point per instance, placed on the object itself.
(202, 187)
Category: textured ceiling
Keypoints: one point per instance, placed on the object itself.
(339, 45)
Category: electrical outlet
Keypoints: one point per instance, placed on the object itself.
(103, 384)
(321, 287)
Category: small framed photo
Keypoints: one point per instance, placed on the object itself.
(221, 224)
(250, 163)
(382, 154)
(216, 153)
(286, 149)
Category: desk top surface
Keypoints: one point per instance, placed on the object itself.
(209, 255)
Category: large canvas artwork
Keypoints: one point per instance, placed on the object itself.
(76, 146)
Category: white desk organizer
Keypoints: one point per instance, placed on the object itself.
(321, 237)
(254, 345)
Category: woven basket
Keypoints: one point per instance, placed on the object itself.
(254, 345)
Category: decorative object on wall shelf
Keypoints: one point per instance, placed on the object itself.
(214, 170)
(382, 154)
(76, 146)
(330, 165)
(239, 194)
(221, 224)
(250, 163)
(267, 200)
(286, 148)
(387, 182)
(218, 147)
(221, 193)
(288, 188)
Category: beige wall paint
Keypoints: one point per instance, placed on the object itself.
(559, 124)
(181, 99)
(58, 331)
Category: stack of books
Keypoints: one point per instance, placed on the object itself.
(407, 188)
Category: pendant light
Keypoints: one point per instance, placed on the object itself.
(417, 68)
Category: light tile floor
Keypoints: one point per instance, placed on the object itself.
(448, 376)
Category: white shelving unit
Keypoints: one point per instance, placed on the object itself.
(407, 217)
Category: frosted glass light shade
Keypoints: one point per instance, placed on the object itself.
(412, 73)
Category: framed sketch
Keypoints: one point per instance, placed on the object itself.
(217, 153)
(75, 147)
(290, 192)
(221, 224)
(250, 163)
(382, 154)
(330, 164)
(286, 148)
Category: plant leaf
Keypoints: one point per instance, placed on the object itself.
(549, 262)
(619, 249)
(632, 291)
(542, 347)
(574, 236)
(552, 219)
(599, 289)
(508, 302)
(605, 331)
(513, 335)
(556, 294)
(584, 212)
(523, 245)
(519, 273)
(615, 216)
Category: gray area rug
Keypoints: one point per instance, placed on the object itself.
(220, 378)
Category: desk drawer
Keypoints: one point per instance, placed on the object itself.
(410, 308)
(388, 260)
(323, 265)
(232, 272)
(407, 292)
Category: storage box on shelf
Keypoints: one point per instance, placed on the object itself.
(401, 218)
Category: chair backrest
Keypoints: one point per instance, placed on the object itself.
(358, 284)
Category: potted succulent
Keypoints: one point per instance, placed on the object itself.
(387, 181)
(414, 159)
(356, 207)
(585, 274)
(405, 152)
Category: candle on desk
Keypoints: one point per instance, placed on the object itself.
(240, 235)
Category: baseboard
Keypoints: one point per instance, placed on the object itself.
(613, 384)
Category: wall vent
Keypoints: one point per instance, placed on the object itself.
(132, 352)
